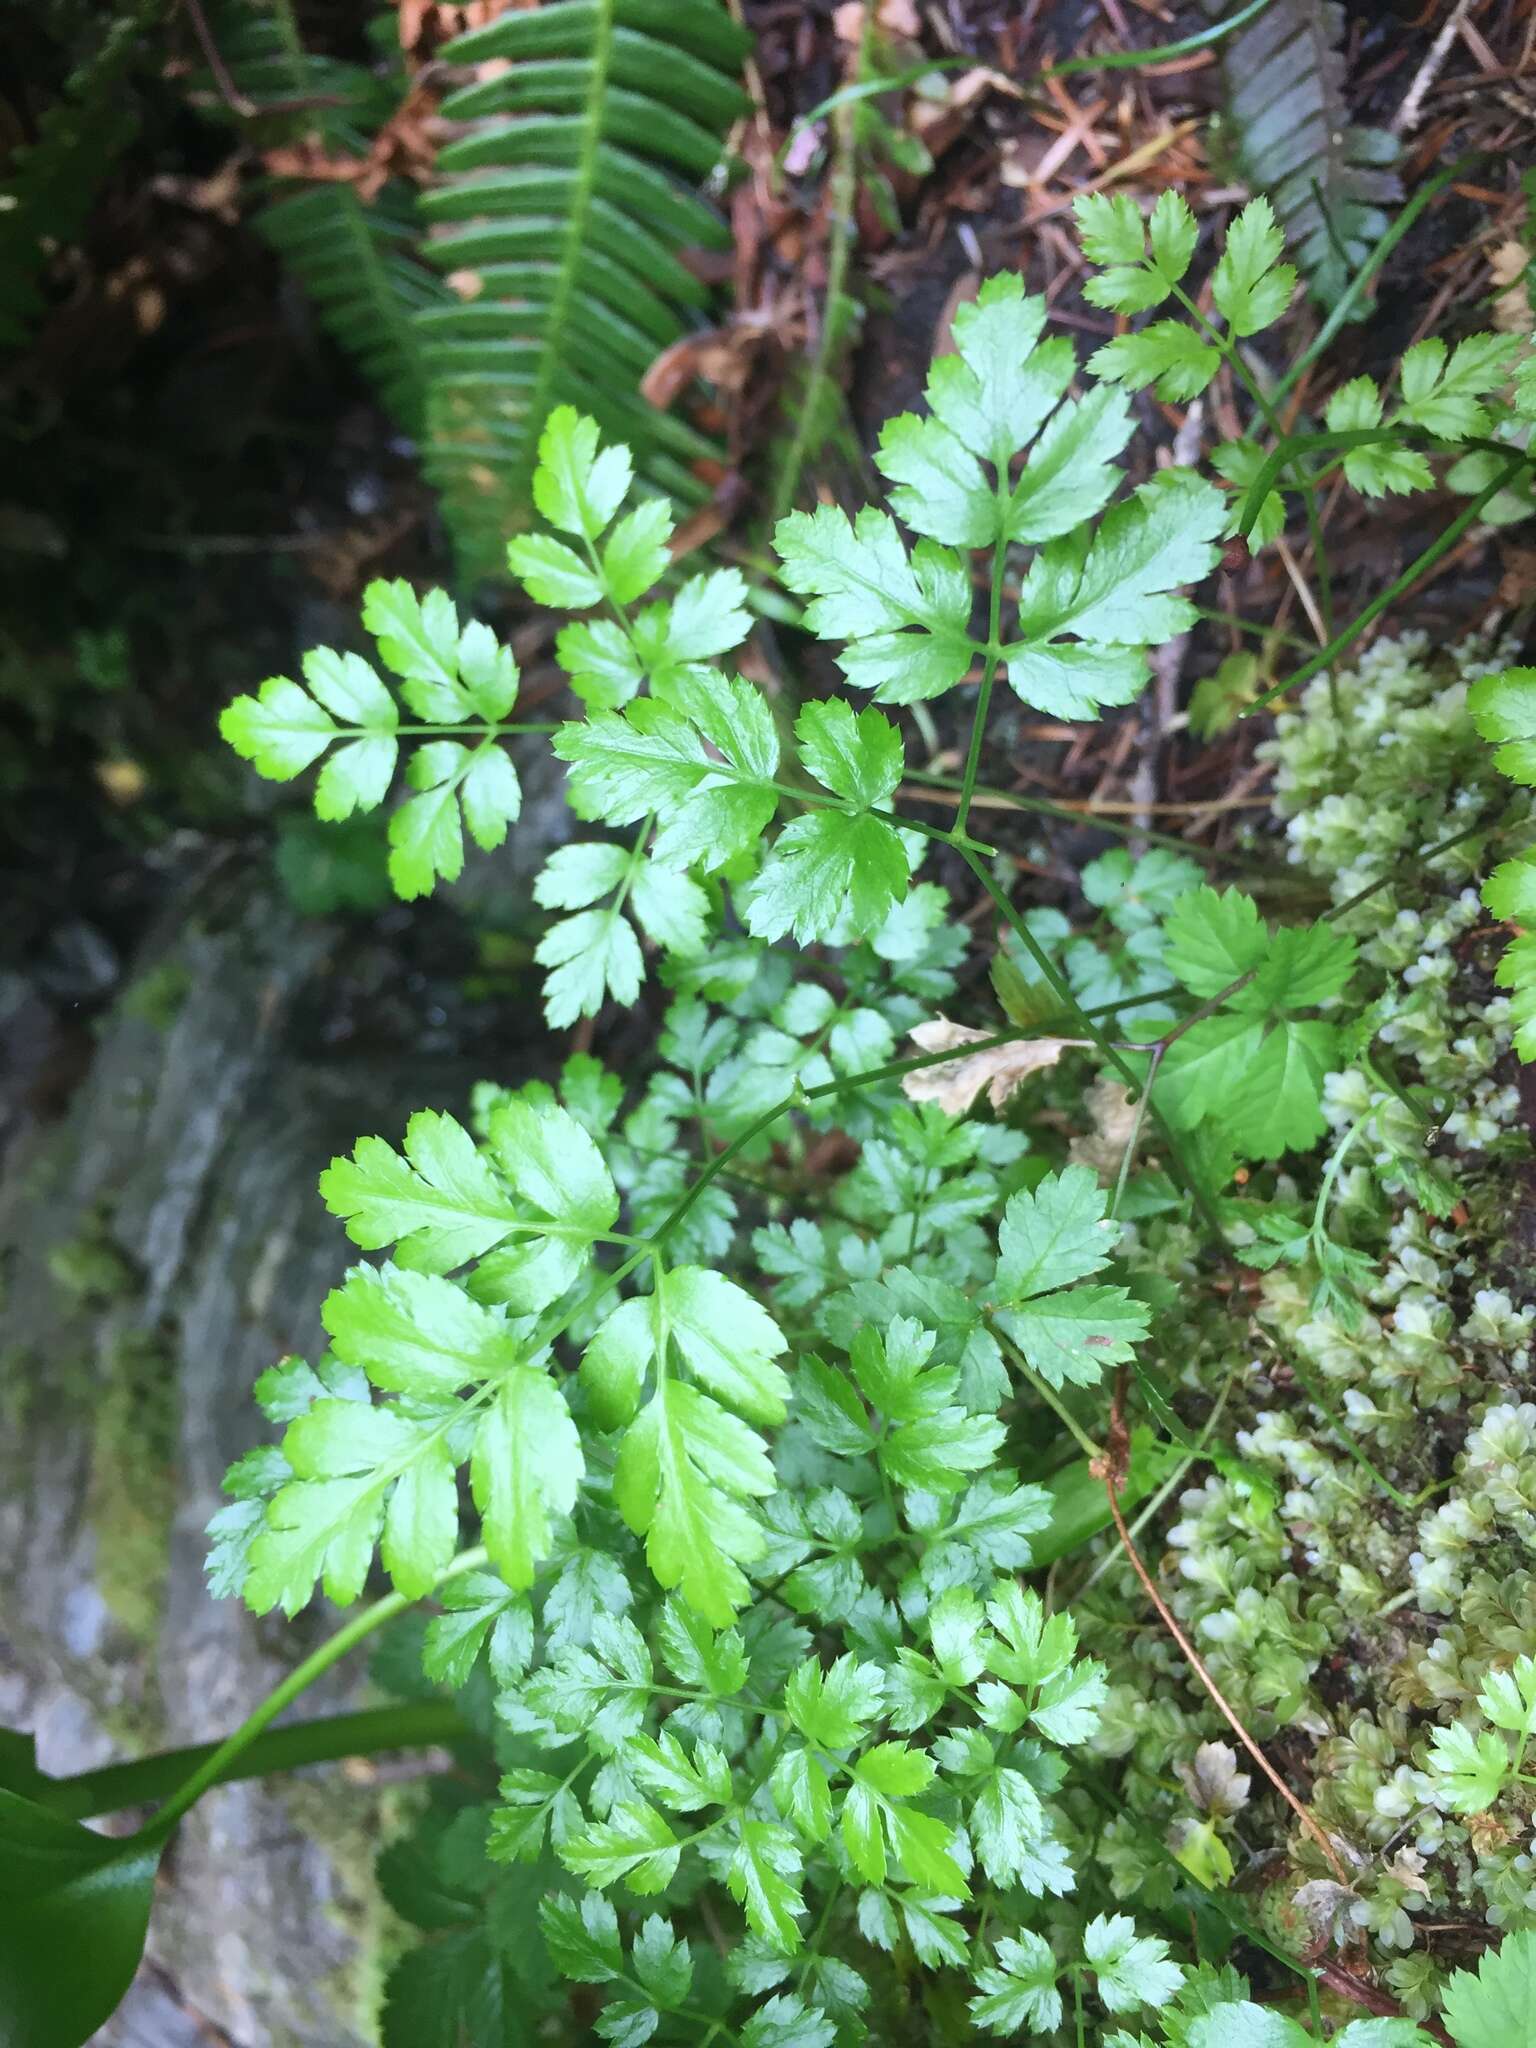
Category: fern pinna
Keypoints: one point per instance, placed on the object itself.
(1327, 178)
(355, 258)
(563, 211)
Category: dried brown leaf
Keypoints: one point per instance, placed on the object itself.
(1109, 1104)
(1214, 1782)
(955, 1085)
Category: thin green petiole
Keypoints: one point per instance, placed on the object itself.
(1094, 819)
(1373, 611)
(413, 1724)
(988, 671)
(1050, 1397)
(1402, 1500)
(443, 732)
(219, 1764)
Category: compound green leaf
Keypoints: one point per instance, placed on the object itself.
(827, 869)
(858, 756)
(441, 1202)
(1442, 392)
(1213, 939)
(906, 620)
(1113, 593)
(281, 731)
(480, 1613)
(634, 1844)
(1021, 1992)
(1250, 285)
(525, 1469)
(1495, 2005)
(833, 1706)
(576, 488)
(582, 1937)
(1469, 1767)
(1503, 708)
(414, 1333)
(1133, 1969)
(682, 1472)
(762, 1875)
(1168, 355)
(727, 1341)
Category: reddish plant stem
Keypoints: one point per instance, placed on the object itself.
(1302, 1812)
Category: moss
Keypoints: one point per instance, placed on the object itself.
(131, 1492)
(90, 1267)
(156, 997)
(1363, 1612)
(352, 1818)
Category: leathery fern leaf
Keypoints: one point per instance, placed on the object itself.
(356, 260)
(562, 212)
(1283, 86)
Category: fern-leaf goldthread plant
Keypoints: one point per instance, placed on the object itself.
(743, 1486)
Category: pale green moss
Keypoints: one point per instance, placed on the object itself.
(131, 1492)
(1344, 1623)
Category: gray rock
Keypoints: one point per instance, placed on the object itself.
(162, 1244)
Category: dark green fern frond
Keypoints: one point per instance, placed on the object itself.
(358, 262)
(561, 212)
(1283, 83)
(359, 265)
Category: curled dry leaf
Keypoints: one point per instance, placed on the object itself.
(1213, 1780)
(1114, 1120)
(955, 1085)
(720, 355)
(1324, 1903)
(1407, 1866)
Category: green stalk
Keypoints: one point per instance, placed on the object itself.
(414, 1724)
(1343, 310)
(1045, 808)
(988, 672)
(1049, 1396)
(220, 1762)
(1345, 1438)
(842, 197)
(1432, 554)
(1131, 60)
(1328, 441)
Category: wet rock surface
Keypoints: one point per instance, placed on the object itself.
(162, 1243)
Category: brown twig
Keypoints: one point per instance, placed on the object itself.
(1302, 1812)
(1334, 1977)
(229, 92)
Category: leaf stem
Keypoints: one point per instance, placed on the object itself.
(1072, 814)
(487, 731)
(413, 1724)
(988, 671)
(1186, 46)
(1050, 1397)
(1344, 306)
(1373, 611)
(1343, 1435)
(1135, 1138)
(218, 1764)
